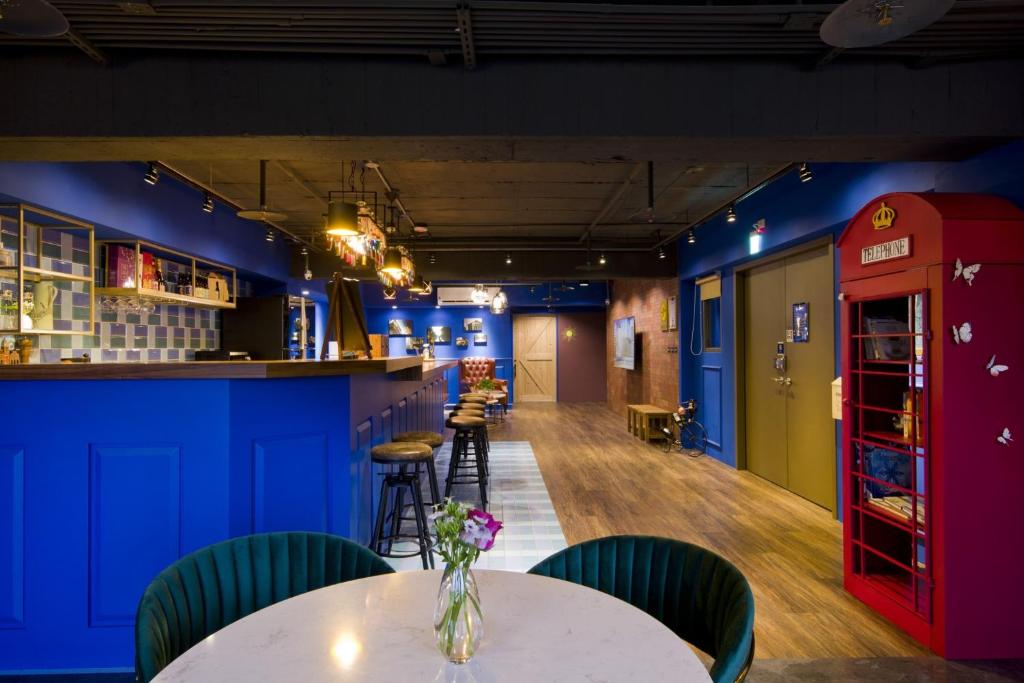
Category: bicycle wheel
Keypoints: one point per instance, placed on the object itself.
(693, 437)
(669, 440)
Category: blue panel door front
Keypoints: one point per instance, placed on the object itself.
(290, 486)
(12, 537)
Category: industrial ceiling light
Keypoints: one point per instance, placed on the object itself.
(152, 176)
(730, 215)
(661, 253)
(691, 237)
(390, 293)
(479, 295)
(508, 259)
(432, 258)
(806, 175)
(392, 262)
(342, 219)
(270, 236)
(584, 283)
(602, 260)
(207, 202)
(418, 285)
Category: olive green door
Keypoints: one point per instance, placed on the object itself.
(790, 433)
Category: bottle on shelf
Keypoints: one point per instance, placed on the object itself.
(161, 286)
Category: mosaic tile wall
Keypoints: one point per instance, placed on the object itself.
(165, 333)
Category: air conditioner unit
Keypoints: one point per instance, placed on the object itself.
(462, 296)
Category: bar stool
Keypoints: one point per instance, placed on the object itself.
(468, 430)
(435, 441)
(473, 398)
(402, 454)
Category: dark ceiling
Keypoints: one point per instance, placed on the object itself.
(465, 32)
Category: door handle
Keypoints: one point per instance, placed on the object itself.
(786, 381)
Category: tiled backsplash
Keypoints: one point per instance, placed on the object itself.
(170, 333)
(165, 333)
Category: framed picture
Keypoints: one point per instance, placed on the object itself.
(461, 342)
(480, 339)
(399, 328)
(473, 324)
(673, 311)
(439, 334)
(801, 323)
(413, 343)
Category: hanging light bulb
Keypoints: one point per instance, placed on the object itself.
(806, 175)
(730, 215)
(152, 176)
(342, 219)
(691, 237)
(499, 303)
(479, 295)
(392, 262)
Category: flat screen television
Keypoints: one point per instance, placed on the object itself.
(624, 335)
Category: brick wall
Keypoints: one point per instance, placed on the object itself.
(656, 379)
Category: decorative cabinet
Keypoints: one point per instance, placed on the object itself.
(133, 271)
(932, 292)
(46, 272)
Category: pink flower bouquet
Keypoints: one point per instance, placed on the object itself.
(463, 532)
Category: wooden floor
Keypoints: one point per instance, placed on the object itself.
(604, 481)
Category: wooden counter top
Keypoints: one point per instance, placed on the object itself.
(402, 368)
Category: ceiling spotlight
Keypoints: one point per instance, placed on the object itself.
(270, 236)
(152, 176)
(730, 215)
(508, 259)
(207, 202)
(602, 260)
(584, 283)
(661, 253)
(305, 292)
(432, 258)
(806, 175)
(304, 251)
(691, 237)
(394, 307)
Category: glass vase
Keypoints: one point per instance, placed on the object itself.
(458, 621)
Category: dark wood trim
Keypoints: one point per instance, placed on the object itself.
(402, 368)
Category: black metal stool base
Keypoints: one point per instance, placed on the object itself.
(461, 460)
(382, 543)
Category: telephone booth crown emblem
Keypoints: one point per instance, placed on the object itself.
(884, 217)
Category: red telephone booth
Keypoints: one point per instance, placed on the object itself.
(932, 290)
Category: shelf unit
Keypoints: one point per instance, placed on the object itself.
(194, 268)
(931, 518)
(34, 243)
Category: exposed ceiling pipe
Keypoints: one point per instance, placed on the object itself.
(613, 201)
(203, 187)
(391, 191)
(725, 205)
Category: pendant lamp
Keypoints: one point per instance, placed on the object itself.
(392, 262)
(342, 219)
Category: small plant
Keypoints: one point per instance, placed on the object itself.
(486, 384)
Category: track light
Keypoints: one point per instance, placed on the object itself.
(730, 215)
(270, 236)
(661, 253)
(602, 260)
(432, 258)
(152, 176)
(691, 237)
(806, 175)
(207, 202)
(508, 259)
(584, 283)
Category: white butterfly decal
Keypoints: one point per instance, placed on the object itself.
(966, 271)
(993, 368)
(962, 334)
(1005, 437)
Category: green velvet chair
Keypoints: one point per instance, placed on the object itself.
(702, 597)
(205, 591)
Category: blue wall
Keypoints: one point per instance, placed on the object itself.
(424, 313)
(114, 197)
(796, 213)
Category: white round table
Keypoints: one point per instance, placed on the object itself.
(536, 630)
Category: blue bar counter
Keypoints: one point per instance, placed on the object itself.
(111, 472)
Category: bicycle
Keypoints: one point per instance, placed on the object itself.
(692, 437)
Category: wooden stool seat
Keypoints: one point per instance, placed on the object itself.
(401, 452)
(432, 439)
(473, 398)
